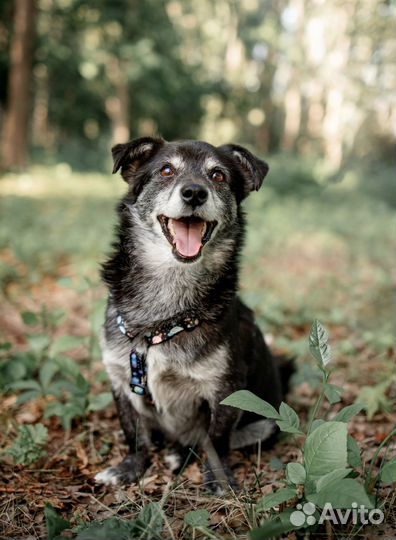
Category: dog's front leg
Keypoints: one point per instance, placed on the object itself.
(217, 471)
(133, 466)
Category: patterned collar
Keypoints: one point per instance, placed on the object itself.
(158, 333)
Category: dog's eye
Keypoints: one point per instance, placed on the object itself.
(217, 176)
(167, 171)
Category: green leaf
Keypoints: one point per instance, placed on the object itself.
(341, 494)
(374, 398)
(65, 411)
(318, 345)
(197, 518)
(27, 447)
(151, 521)
(274, 528)
(66, 343)
(67, 366)
(330, 477)
(353, 451)
(275, 499)
(29, 318)
(25, 385)
(325, 449)
(100, 401)
(113, 528)
(316, 423)
(289, 421)
(46, 373)
(39, 342)
(345, 414)
(388, 473)
(54, 522)
(287, 428)
(29, 395)
(333, 393)
(296, 473)
(247, 401)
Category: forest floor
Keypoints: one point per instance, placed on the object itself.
(312, 252)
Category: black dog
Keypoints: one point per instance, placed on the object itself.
(177, 339)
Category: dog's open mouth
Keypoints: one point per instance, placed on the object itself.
(187, 235)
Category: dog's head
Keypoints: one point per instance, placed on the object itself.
(185, 195)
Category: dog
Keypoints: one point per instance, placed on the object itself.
(177, 339)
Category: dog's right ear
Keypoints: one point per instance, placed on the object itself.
(130, 156)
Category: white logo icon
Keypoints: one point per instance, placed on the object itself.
(303, 514)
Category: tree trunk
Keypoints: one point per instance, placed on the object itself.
(117, 106)
(16, 123)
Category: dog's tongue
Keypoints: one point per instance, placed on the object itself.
(188, 237)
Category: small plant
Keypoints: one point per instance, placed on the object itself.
(79, 401)
(198, 521)
(44, 371)
(375, 397)
(28, 446)
(329, 454)
(147, 525)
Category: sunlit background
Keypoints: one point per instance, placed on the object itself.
(307, 77)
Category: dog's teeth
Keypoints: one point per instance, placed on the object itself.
(171, 228)
(203, 228)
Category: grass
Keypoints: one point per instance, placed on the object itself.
(314, 249)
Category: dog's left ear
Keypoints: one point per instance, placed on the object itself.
(253, 169)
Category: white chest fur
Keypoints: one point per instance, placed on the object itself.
(178, 391)
(178, 388)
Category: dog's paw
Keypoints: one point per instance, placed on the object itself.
(174, 461)
(219, 482)
(127, 472)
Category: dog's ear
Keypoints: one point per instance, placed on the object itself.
(131, 155)
(253, 169)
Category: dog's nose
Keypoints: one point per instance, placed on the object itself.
(194, 194)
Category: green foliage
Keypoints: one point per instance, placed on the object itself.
(347, 413)
(318, 345)
(28, 446)
(353, 453)
(44, 371)
(247, 401)
(330, 455)
(375, 398)
(296, 473)
(276, 498)
(325, 449)
(199, 520)
(79, 401)
(388, 473)
(147, 525)
(54, 522)
(341, 494)
(286, 418)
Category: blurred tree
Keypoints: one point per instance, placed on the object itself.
(15, 142)
(308, 77)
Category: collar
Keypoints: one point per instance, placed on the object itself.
(154, 335)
